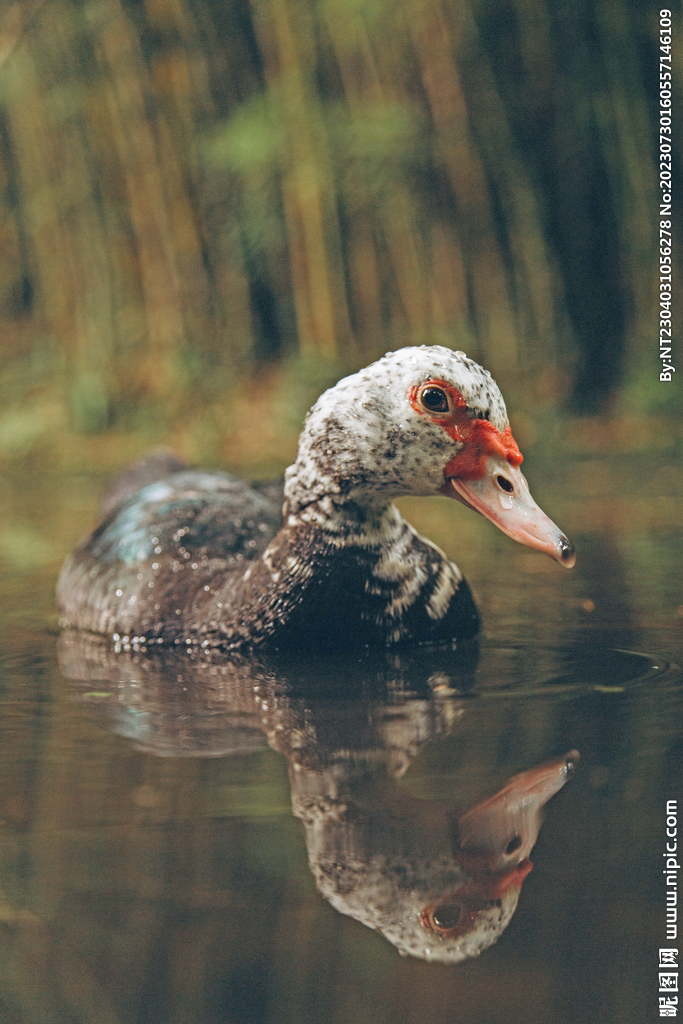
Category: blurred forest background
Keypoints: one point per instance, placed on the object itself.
(212, 209)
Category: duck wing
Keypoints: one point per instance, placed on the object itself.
(188, 515)
(161, 545)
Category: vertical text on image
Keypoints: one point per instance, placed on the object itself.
(667, 369)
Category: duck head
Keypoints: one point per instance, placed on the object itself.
(438, 888)
(495, 840)
(421, 421)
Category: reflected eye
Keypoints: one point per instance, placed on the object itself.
(434, 399)
(446, 916)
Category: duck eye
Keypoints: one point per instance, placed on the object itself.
(446, 916)
(434, 399)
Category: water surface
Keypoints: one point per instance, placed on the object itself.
(151, 866)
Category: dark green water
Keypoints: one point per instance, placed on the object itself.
(152, 870)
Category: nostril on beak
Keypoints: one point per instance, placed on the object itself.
(504, 484)
(513, 845)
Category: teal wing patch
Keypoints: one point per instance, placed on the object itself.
(186, 515)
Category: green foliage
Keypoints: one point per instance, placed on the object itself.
(385, 136)
(189, 192)
(645, 394)
(252, 141)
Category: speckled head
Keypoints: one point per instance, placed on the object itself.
(451, 904)
(369, 434)
(441, 922)
(423, 421)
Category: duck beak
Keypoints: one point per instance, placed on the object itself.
(497, 836)
(502, 495)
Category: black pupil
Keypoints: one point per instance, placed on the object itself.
(435, 399)
(446, 916)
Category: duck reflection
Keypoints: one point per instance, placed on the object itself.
(438, 883)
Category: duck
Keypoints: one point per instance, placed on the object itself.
(203, 559)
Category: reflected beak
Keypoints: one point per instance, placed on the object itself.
(497, 836)
(502, 495)
(494, 843)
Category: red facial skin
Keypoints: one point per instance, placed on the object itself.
(480, 438)
(473, 897)
(485, 473)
